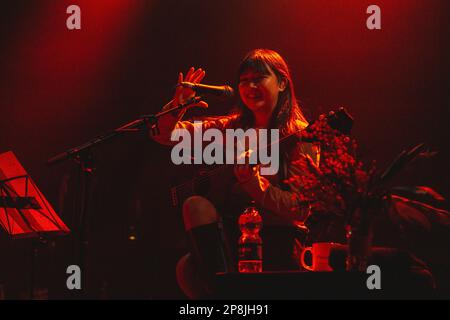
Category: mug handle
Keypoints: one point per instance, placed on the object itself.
(302, 259)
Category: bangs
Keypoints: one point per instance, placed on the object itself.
(255, 64)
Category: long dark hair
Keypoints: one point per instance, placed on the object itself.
(287, 115)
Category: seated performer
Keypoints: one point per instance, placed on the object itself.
(266, 100)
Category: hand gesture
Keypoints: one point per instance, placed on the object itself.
(183, 94)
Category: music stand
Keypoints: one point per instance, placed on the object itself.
(24, 211)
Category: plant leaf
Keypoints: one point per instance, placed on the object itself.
(400, 162)
(420, 191)
(403, 213)
(418, 213)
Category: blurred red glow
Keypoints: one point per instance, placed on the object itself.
(52, 64)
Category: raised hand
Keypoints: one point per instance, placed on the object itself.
(183, 94)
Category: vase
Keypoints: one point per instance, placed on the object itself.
(359, 239)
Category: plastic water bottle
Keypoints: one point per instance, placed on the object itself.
(250, 243)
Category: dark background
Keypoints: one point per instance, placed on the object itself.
(59, 88)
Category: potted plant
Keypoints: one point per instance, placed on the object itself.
(344, 192)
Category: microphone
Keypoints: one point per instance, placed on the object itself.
(221, 91)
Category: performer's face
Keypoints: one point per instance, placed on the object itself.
(258, 91)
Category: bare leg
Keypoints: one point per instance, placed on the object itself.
(198, 211)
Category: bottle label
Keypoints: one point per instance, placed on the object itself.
(250, 251)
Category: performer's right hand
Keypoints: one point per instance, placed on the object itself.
(183, 94)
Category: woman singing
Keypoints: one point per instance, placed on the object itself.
(266, 101)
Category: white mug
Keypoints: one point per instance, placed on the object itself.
(320, 254)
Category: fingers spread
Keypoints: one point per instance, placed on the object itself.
(195, 75)
(189, 74)
(199, 76)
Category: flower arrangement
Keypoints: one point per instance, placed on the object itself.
(343, 192)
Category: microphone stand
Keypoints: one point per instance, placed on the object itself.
(144, 122)
(83, 156)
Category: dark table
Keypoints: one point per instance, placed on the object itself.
(293, 285)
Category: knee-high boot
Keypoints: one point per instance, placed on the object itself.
(210, 252)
